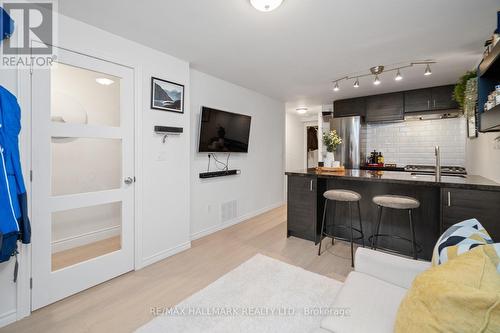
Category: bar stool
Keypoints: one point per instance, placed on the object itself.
(400, 203)
(342, 196)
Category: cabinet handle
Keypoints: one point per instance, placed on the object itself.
(449, 199)
(311, 186)
(434, 103)
(428, 104)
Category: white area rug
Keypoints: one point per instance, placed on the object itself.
(261, 295)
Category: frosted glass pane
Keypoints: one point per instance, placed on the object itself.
(82, 96)
(81, 165)
(85, 233)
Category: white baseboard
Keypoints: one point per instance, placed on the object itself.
(8, 318)
(239, 219)
(164, 254)
(84, 239)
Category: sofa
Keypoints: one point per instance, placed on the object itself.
(372, 293)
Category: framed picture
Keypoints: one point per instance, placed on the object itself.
(167, 96)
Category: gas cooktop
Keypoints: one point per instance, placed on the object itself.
(431, 169)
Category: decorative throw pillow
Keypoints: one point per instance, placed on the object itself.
(459, 239)
(462, 295)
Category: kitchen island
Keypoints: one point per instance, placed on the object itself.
(443, 203)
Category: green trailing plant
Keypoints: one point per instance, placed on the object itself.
(459, 91)
(331, 140)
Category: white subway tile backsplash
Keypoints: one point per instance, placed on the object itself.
(412, 142)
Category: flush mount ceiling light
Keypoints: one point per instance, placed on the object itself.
(377, 71)
(301, 110)
(266, 5)
(104, 81)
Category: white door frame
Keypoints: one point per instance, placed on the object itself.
(23, 307)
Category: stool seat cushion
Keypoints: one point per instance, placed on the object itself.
(396, 202)
(342, 195)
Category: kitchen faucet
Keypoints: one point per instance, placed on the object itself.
(437, 153)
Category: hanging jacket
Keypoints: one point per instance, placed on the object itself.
(14, 222)
(6, 25)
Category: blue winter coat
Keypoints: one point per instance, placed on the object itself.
(14, 223)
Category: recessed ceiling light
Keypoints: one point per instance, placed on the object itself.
(428, 70)
(377, 80)
(301, 110)
(266, 5)
(398, 77)
(104, 81)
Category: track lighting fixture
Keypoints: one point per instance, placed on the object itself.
(398, 77)
(376, 81)
(336, 87)
(428, 70)
(356, 83)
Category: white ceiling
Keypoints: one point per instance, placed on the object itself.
(294, 53)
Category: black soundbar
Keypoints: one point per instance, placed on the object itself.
(224, 173)
(168, 129)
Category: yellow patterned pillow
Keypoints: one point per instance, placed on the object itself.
(462, 295)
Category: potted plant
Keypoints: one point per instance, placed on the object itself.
(331, 140)
(460, 87)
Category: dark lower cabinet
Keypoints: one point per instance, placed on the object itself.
(458, 205)
(302, 207)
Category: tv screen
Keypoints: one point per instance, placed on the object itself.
(222, 131)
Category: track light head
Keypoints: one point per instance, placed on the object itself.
(336, 87)
(356, 83)
(428, 70)
(398, 77)
(376, 81)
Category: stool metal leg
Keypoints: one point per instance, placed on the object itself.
(413, 244)
(361, 224)
(322, 227)
(333, 220)
(352, 236)
(377, 230)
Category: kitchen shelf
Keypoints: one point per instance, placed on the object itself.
(490, 120)
(490, 66)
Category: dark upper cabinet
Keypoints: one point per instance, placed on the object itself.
(418, 100)
(459, 205)
(386, 107)
(430, 99)
(349, 107)
(442, 98)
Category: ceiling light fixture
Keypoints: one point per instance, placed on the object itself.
(398, 77)
(336, 87)
(377, 80)
(266, 5)
(356, 83)
(104, 81)
(301, 110)
(428, 70)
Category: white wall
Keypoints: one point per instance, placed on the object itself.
(482, 157)
(295, 143)
(413, 142)
(259, 187)
(162, 188)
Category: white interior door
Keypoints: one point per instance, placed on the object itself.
(83, 175)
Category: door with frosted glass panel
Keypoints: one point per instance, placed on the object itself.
(83, 175)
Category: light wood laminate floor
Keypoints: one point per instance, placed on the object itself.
(124, 303)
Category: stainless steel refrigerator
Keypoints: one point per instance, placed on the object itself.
(348, 153)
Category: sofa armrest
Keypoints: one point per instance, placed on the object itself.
(387, 267)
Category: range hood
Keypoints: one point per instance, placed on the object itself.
(435, 114)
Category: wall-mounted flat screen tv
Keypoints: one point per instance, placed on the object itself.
(222, 131)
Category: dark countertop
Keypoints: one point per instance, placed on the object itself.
(471, 182)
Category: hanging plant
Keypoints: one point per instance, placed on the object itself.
(459, 91)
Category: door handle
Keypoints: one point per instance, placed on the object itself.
(128, 180)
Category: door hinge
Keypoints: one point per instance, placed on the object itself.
(31, 283)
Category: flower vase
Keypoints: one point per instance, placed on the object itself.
(329, 159)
